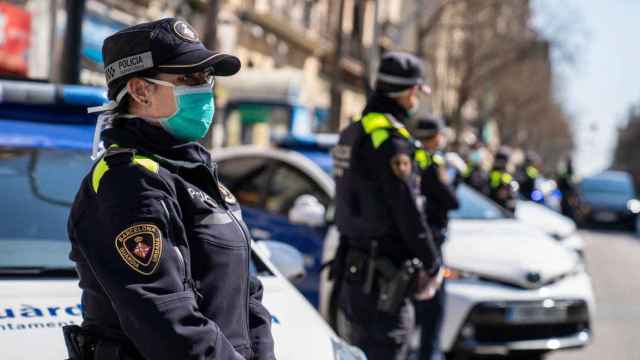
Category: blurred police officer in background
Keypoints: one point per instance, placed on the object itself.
(475, 174)
(502, 186)
(438, 187)
(387, 254)
(570, 201)
(527, 174)
(160, 245)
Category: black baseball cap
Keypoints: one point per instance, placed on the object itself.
(399, 71)
(164, 46)
(428, 126)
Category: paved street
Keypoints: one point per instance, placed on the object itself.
(613, 259)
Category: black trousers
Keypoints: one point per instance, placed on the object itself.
(429, 318)
(382, 336)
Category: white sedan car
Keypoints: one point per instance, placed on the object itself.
(35, 302)
(558, 226)
(511, 288)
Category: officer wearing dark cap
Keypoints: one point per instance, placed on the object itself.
(386, 254)
(502, 186)
(440, 193)
(159, 243)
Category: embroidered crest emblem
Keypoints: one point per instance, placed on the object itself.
(140, 246)
(227, 195)
(185, 31)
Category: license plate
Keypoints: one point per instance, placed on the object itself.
(605, 216)
(536, 314)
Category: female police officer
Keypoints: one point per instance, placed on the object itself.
(159, 244)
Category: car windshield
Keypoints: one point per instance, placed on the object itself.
(38, 187)
(607, 186)
(475, 206)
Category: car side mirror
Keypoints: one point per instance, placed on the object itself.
(287, 259)
(307, 210)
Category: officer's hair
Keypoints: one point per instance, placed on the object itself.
(123, 105)
(125, 102)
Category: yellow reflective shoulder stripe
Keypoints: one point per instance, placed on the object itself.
(422, 158)
(495, 179)
(404, 132)
(98, 172)
(499, 178)
(102, 167)
(146, 163)
(378, 137)
(374, 121)
(438, 159)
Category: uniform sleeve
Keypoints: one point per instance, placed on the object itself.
(401, 196)
(259, 323)
(138, 265)
(433, 188)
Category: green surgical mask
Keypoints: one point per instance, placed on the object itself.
(194, 111)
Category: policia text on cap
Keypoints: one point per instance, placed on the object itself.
(386, 254)
(159, 244)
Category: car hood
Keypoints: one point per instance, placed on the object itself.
(32, 309)
(545, 219)
(507, 251)
(298, 329)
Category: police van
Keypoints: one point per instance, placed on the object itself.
(45, 143)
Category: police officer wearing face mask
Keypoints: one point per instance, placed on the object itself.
(440, 194)
(475, 175)
(386, 255)
(159, 243)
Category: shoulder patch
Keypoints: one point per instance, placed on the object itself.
(140, 246)
(227, 195)
(402, 166)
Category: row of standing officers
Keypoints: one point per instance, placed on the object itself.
(393, 196)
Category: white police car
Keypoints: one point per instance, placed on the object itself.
(511, 287)
(45, 141)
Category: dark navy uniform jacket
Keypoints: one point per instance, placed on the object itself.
(441, 196)
(377, 186)
(163, 253)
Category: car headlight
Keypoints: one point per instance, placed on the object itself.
(344, 351)
(455, 274)
(634, 206)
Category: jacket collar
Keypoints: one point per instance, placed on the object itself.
(139, 134)
(381, 103)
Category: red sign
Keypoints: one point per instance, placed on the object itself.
(15, 32)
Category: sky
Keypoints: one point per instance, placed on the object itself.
(603, 81)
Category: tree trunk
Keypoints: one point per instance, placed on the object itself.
(336, 79)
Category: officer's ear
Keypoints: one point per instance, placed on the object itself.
(140, 90)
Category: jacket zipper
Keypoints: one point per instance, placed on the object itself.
(247, 241)
(246, 294)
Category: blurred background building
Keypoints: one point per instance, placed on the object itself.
(308, 65)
